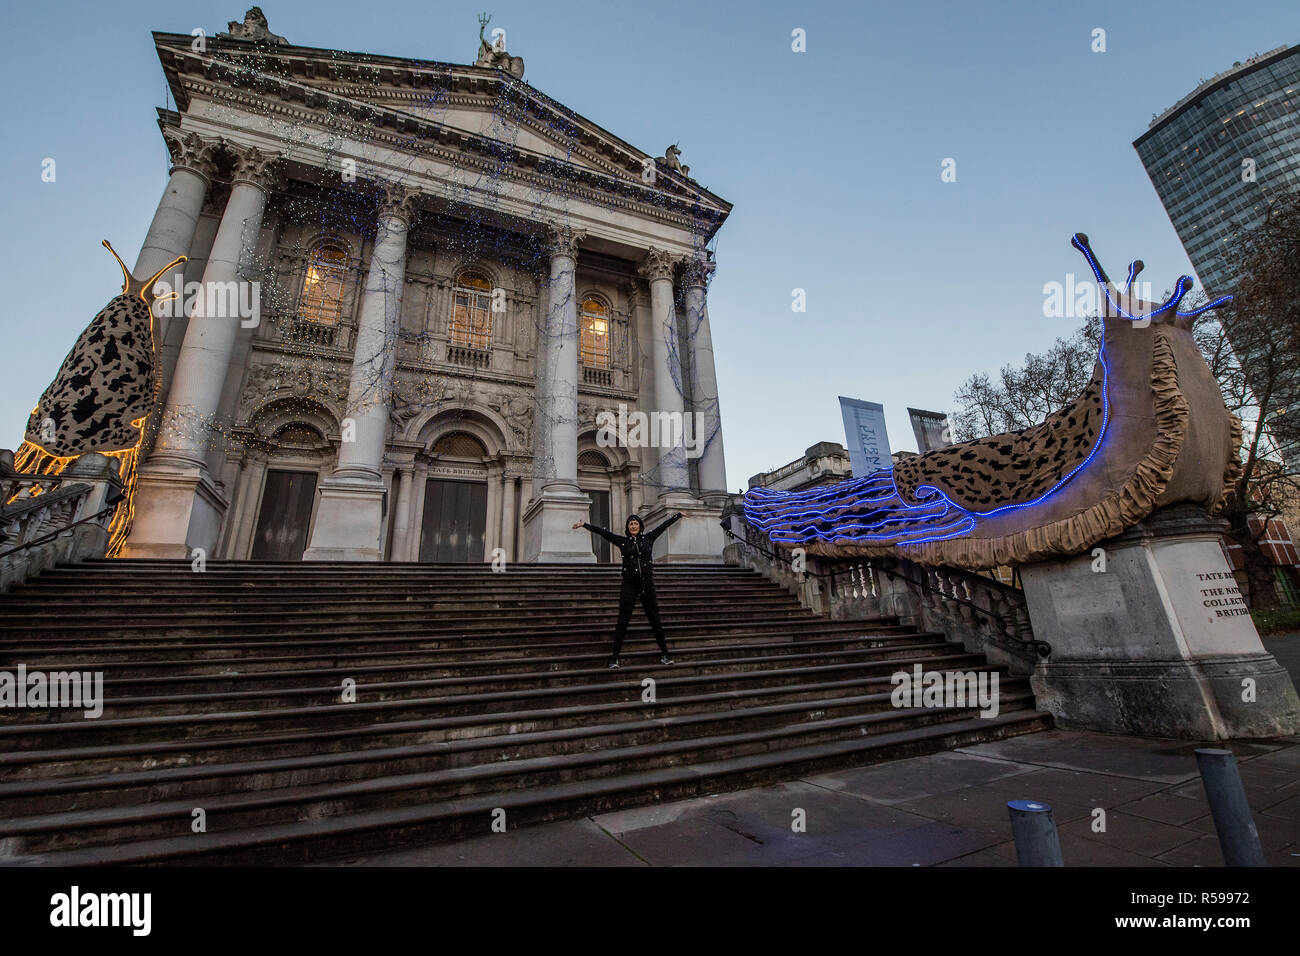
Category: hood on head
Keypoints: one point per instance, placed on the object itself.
(628, 523)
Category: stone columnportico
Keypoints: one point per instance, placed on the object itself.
(436, 283)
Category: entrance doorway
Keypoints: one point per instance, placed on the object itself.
(285, 516)
(600, 518)
(455, 519)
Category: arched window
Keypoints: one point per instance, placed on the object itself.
(594, 324)
(471, 311)
(592, 459)
(298, 434)
(459, 445)
(322, 284)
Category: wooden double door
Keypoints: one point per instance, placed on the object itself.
(455, 520)
(285, 516)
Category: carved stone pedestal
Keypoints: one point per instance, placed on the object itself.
(549, 535)
(178, 509)
(1150, 636)
(349, 520)
(696, 539)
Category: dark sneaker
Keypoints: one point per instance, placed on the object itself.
(665, 659)
(613, 663)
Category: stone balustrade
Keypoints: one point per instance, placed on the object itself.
(48, 521)
(981, 613)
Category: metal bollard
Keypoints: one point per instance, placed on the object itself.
(1034, 831)
(1233, 821)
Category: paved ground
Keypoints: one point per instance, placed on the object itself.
(946, 809)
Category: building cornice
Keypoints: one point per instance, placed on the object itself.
(540, 179)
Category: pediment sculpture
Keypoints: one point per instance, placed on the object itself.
(493, 55)
(254, 28)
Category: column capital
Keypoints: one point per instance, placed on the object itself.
(192, 152)
(658, 264)
(256, 167)
(562, 241)
(398, 201)
(696, 272)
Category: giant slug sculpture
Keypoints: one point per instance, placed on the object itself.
(104, 394)
(1149, 430)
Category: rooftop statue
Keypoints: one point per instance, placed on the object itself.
(1149, 430)
(671, 160)
(493, 55)
(254, 28)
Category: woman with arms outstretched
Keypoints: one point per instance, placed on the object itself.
(638, 579)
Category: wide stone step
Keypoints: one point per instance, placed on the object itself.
(392, 823)
(127, 624)
(355, 616)
(721, 672)
(124, 569)
(199, 654)
(47, 729)
(132, 585)
(520, 741)
(120, 664)
(110, 752)
(76, 602)
(269, 805)
(428, 635)
(285, 684)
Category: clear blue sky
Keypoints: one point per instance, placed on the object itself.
(831, 157)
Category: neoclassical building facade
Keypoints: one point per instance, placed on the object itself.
(413, 289)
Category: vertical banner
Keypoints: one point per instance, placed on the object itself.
(864, 429)
(930, 429)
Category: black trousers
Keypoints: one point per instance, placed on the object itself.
(634, 588)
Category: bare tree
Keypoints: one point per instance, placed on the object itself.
(1256, 344)
(1025, 395)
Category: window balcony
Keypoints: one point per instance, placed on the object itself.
(293, 330)
(601, 377)
(306, 332)
(469, 357)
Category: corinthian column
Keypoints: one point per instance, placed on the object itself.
(711, 467)
(549, 535)
(673, 474)
(349, 520)
(178, 505)
(696, 537)
(171, 233)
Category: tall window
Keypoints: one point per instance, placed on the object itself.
(471, 311)
(322, 285)
(595, 333)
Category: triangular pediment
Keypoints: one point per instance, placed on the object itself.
(456, 104)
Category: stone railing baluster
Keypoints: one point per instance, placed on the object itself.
(69, 523)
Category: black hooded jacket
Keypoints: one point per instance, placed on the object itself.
(638, 560)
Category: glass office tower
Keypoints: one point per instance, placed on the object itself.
(1196, 154)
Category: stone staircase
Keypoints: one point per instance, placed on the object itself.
(474, 692)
